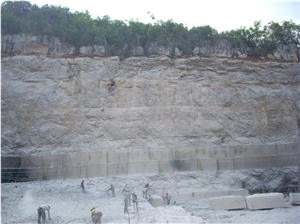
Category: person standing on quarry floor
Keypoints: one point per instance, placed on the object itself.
(96, 215)
(82, 186)
(150, 199)
(146, 190)
(112, 189)
(126, 195)
(42, 213)
(168, 199)
(164, 195)
(135, 202)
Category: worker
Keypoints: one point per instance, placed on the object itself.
(42, 213)
(150, 199)
(146, 190)
(135, 201)
(82, 186)
(168, 199)
(126, 196)
(164, 195)
(96, 215)
(112, 189)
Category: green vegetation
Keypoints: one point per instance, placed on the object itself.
(119, 37)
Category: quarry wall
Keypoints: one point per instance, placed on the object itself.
(95, 116)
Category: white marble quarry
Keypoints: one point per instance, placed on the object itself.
(226, 203)
(265, 201)
(294, 198)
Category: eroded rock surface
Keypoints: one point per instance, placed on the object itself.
(65, 105)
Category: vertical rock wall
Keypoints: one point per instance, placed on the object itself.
(104, 116)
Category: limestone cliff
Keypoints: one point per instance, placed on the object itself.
(181, 108)
(24, 44)
(49, 105)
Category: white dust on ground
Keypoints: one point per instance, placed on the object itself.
(70, 205)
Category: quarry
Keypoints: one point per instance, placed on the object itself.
(207, 127)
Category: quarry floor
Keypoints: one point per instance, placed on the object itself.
(19, 201)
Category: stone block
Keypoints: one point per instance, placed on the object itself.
(114, 157)
(285, 160)
(226, 203)
(97, 157)
(206, 164)
(288, 148)
(252, 162)
(156, 155)
(265, 201)
(150, 167)
(225, 164)
(294, 198)
(218, 153)
(137, 155)
(157, 201)
(165, 167)
(32, 161)
(200, 152)
(122, 168)
(182, 165)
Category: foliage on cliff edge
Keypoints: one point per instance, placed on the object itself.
(120, 38)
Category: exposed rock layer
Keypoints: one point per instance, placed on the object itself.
(143, 105)
(51, 46)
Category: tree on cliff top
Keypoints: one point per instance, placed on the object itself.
(119, 37)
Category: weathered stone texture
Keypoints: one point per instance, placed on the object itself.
(181, 114)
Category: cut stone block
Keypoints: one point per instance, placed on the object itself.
(294, 198)
(157, 201)
(226, 203)
(265, 201)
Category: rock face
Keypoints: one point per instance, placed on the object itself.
(51, 46)
(148, 114)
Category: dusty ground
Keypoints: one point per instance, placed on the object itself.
(70, 205)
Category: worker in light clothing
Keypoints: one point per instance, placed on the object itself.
(96, 215)
(42, 213)
(168, 199)
(164, 195)
(135, 202)
(126, 196)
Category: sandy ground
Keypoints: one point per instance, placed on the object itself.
(19, 201)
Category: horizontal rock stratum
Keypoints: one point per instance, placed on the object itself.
(186, 114)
